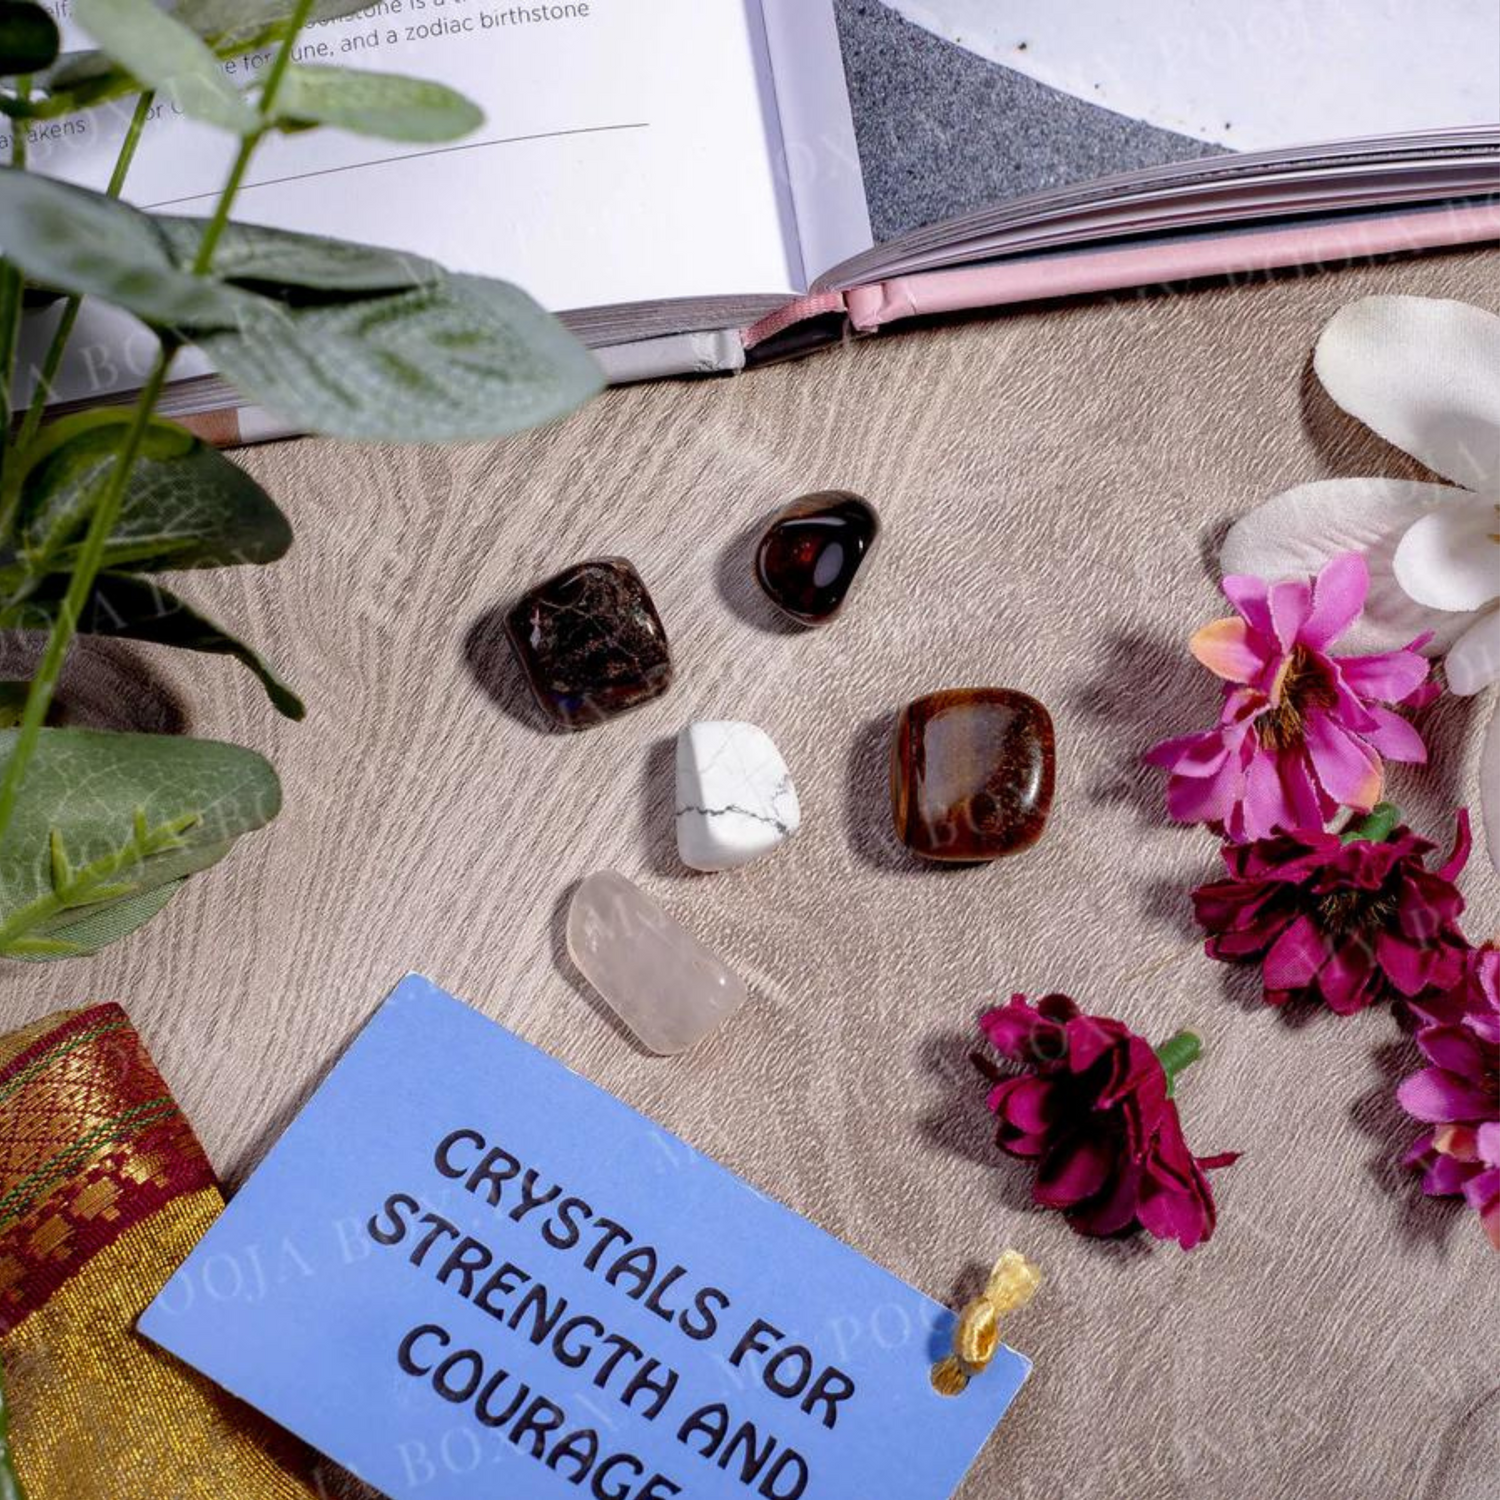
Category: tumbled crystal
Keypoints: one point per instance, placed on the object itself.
(812, 554)
(972, 774)
(591, 643)
(735, 798)
(653, 973)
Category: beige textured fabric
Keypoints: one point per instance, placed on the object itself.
(1052, 484)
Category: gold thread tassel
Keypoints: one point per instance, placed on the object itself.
(976, 1340)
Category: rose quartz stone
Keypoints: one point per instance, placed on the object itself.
(653, 973)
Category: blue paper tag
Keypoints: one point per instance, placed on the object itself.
(466, 1273)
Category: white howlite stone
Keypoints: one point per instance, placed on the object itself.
(735, 798)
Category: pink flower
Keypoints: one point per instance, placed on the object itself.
(1458, 1094)
(1302, 733)
(1349, 921)
(1096, 1110)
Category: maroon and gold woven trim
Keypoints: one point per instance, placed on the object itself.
(91, 1143)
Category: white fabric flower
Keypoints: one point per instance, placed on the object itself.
(1425, 375)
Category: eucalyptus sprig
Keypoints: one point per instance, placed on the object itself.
(348, 340)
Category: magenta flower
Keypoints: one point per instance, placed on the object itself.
(1349, 921)
(1458, 1094)
(1302, 733)
(1096, 1111)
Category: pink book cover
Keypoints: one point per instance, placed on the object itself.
(1094, 270)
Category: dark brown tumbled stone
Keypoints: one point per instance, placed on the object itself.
(811, 555)
(972, 774)
(591, 643)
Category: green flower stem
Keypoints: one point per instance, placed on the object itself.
(53, 362)
(80, 586)
(1179, 1052)
(10, 1482)
(18, 139)
(248, 146)
(107, 509)
(1375, 827)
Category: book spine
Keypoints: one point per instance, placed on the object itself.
(239, 427)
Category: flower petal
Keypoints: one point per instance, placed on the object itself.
(1446, 1176)
(1291, 604)
(1425, 374)
(1297, 532)
(1338, 599)
(1482, 1193)
(1463, 844)
(1387, 676)
(1301, 794)
(1013, 1029)
(1074, 1171)
(1224, 648)
(1295, 957)
(1263, 803)
(1350, 980)
(1202, 759)
(1449, 560)
(1473, 661)
(1346, 770)
(1250, 596)
(1454, 1048)
(1489, 786)
(1437, 1096)
(1395, 738)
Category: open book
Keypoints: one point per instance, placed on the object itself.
(700, 184)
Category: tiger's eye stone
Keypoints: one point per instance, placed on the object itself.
(812, 553)
(591, 643)
(972, 774)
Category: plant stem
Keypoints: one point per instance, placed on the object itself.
(1375, 827)
(18, 137)
(1178, 1052)
(107, 509)
(53, 362)
(12, 300)
(272, 87)
(80, 586)
(72, 889)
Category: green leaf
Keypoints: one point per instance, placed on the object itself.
(90, 244)
(386, 105)
(162, 54)
(226, 23)
(460, 362)
(124, 607)
(186, 504)
(78, 80)
(275, 259)
(28, 38)
(134, 814)
(12, 703)
(231, 28)
(96, 929)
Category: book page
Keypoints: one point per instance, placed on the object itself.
(626, 155)
(819, 151)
